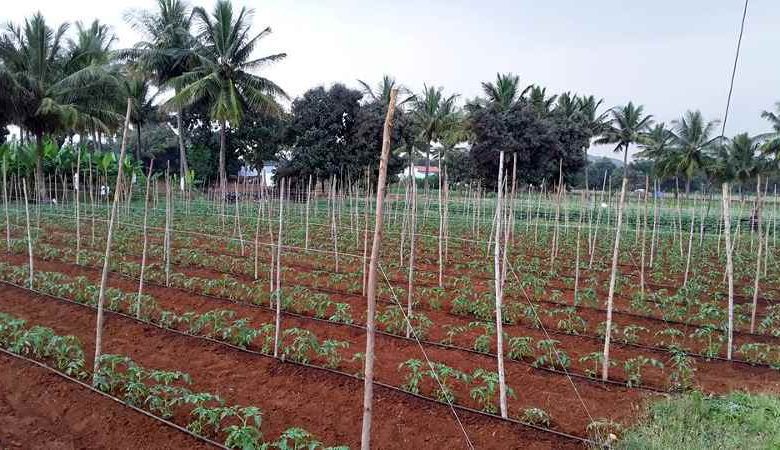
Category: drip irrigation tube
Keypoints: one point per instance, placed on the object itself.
(310, 366)
(116, 399)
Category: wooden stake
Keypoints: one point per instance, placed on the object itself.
(368, 374)
(146, 240)
(107, 257)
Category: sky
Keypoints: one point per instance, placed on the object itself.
(669, 56)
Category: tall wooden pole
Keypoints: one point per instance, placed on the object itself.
(368, 378)
(729, 265)
(499, 289)
(107, 258)
(146, 240)
(612, 277)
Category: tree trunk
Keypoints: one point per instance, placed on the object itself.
(368, 374)
(222, 170)
(183, 168)
(107, 257)
(138, 149)
(40, 184)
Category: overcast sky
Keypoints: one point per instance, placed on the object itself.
(669, 55)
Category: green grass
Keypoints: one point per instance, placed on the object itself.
(699, 421)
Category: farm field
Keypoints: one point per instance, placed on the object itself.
(207, 308)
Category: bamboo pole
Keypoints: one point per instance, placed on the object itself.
(368, 375)
(107, 258)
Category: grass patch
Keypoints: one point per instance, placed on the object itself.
(698, 421)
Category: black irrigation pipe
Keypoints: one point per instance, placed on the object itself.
(659, 285)
(391, 335)
(310, 366)
(483, 277)
(386, 300)
(396, 336)
(111, 397)
(580, 306)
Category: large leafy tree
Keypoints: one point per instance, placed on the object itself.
(222, 74)
(165, 52)
(540, 142)
(692, 138)
(332, 133)
(51, 92)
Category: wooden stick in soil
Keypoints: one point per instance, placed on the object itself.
(29, 233)
(758, 256)
(499, 290)
(577, 250)
(5, 206)
(308, 203)
(412, 231)
(612, 277)
(107, 257)
(644, 238)
(167, 243)
(729, 266)
(368, 374)
(690, 243)
(146, 241)
(77, 205)
(278, 290)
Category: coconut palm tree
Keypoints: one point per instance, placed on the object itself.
(626, 127)
(138, 88)
(434, 114)
(656, 146)
(744, 159)
(595, 122)
(773, 118)
(222, 74)
(504, 92)
(51, 93)
(382, 92)
(692, 137)
(538, 99)
(166, 52)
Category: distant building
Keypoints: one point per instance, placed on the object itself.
(419, 172)
(264, 176)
